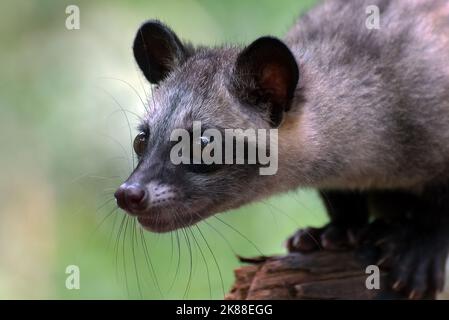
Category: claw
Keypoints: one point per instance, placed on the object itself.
(381, 241)
(414, 295)
(353, 240)
(398, 285)
(384, 261)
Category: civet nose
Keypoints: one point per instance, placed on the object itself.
(131, 197)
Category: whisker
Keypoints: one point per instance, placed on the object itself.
(172, 248)
(112, 231)
(205, 262)
(131, 166)
(178, 263)
(296, 197)
(126, 117)
(189, 280)
(108, 215)
(130, 86)
(124, 257)
(142, 86)
(133, 236)
(222, 236)
(240, 234)
(104, 204)
(116, 246)
(149, 263)
(277, 209)
(90, 176)
(214, 258)
(125, 110)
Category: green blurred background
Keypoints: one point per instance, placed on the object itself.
(65, 147)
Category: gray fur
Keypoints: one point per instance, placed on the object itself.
(371, 110)
(377, 107)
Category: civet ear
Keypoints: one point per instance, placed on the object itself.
(265, 76)
(157, 50)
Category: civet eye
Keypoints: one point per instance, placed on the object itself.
(201, 167)
(204, 141)
(140, 142)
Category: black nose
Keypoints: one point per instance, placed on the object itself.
(131, 197)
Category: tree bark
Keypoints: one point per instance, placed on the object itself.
(319, 275)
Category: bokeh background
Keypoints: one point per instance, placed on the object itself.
(68, 99)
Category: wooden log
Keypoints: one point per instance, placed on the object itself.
(319, 275)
